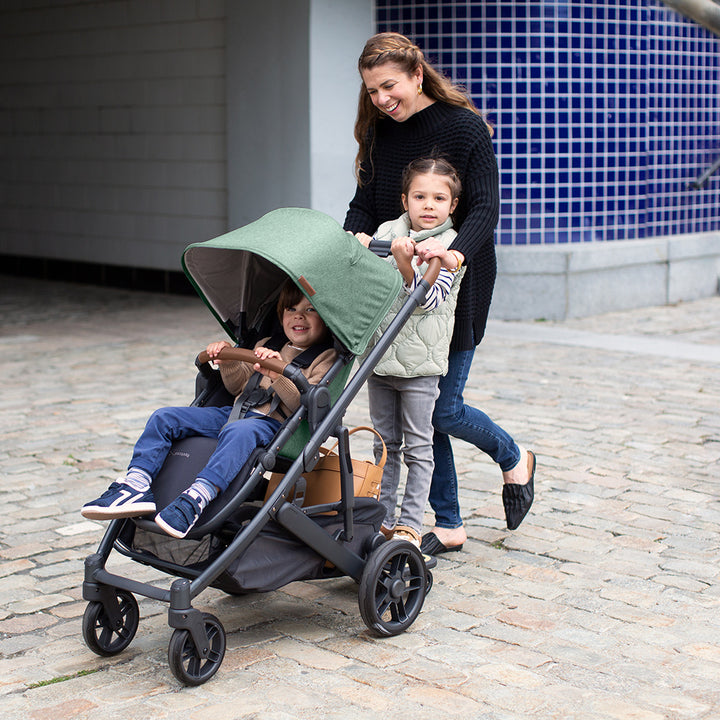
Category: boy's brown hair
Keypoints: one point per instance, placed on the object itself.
(290, 295)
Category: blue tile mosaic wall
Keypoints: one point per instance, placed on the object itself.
(605, 111)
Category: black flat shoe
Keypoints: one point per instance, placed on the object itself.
(430, 545)
(517, 499)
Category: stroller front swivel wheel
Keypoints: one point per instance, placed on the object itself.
(101, 635)
(190, 666)
(392, 588)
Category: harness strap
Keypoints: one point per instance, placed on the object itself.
(253, 395)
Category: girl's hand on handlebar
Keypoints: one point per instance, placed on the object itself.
(403, 248)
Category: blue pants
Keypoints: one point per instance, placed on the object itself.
(236, 441)
(453, 418)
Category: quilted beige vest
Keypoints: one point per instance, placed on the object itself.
(422, 346)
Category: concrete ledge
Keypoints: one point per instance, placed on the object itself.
(555, 282)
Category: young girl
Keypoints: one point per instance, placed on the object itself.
(404, 386)
(131, 495)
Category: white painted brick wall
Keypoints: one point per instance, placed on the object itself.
(112, 129)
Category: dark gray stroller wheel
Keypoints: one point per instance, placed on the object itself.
(392, 588)
(186, 663)
(100, 635)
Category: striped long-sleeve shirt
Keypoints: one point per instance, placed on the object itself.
(438, 291)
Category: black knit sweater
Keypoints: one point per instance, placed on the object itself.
(462, 138)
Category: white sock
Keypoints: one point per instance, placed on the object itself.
(202, 491)
(137, 479)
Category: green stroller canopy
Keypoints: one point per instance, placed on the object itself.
(239, 274)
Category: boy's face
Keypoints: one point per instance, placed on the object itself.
(302, 325)
(429, 201)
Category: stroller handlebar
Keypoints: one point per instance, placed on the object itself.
(433, 270)
(248, 356)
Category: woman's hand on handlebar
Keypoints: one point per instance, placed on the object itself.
(364, 238)
(431, 248)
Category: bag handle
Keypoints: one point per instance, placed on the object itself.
(381, 464)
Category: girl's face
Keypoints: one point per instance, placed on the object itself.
(394, 92)
(429, 201)
(302, 325)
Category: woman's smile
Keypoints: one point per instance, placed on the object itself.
(394, 92)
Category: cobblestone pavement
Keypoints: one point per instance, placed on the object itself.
(605, 603)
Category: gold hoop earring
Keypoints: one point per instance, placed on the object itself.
(419, 89)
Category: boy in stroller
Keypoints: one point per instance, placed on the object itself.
(264, 399)
(241, 543)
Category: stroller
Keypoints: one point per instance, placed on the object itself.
(258, 536)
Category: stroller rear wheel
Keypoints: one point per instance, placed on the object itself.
(191, 666)
(392, 588)
(103, 636)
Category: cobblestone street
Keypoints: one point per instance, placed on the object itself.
(604, 604)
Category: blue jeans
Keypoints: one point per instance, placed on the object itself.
(453, 418)
(236, 441)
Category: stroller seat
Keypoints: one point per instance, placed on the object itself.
(185, 460)
(188, 456)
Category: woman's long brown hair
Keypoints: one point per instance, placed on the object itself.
(395, 48)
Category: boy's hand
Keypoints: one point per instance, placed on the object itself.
(266, 354)
(213, 350)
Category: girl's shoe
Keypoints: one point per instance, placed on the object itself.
(119, 501)
(404, 532)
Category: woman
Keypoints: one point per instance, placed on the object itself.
(408, 110)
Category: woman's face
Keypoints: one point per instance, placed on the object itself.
(394, 92)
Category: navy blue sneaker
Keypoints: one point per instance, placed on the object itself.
(120, 501)
(178, 518)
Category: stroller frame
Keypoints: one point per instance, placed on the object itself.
(393, 576)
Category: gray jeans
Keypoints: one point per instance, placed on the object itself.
(401, 409)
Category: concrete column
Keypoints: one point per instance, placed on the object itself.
(292, 88)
